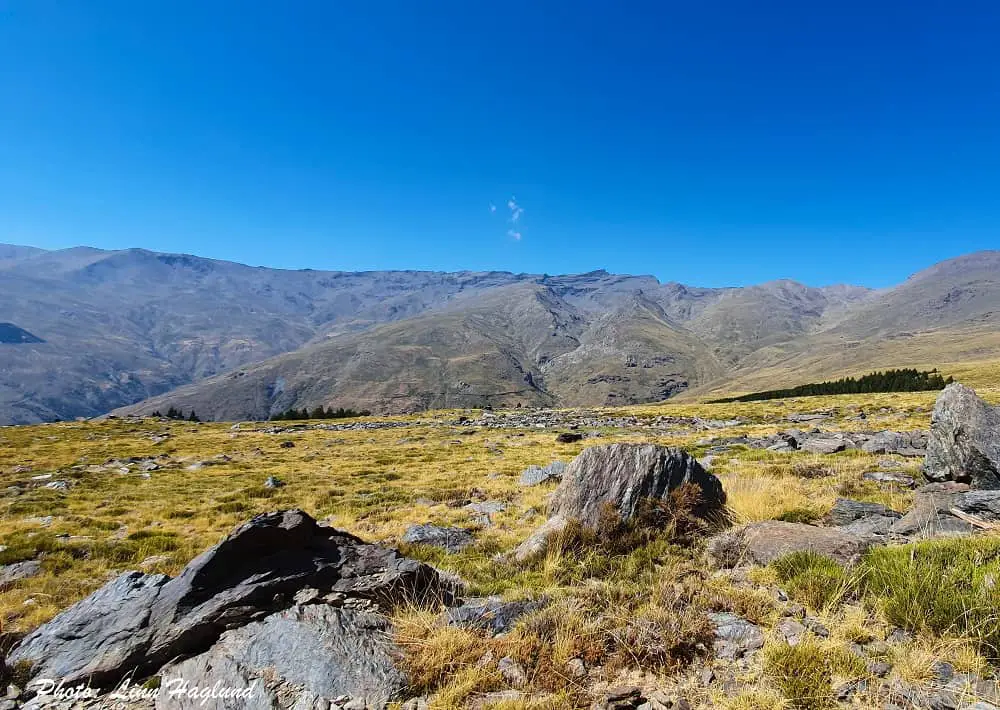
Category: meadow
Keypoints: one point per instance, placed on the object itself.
(90, 499)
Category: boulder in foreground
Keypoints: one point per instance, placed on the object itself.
(266, 575)
(623, 476)
(964, 443)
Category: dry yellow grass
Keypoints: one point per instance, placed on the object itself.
(374, 483)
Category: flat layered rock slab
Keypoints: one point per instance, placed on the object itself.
(763, 542)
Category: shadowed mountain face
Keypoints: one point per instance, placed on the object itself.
(113, 328)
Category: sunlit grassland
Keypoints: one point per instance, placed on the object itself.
(374, 483)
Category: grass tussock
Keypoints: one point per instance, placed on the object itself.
(802, 673)
(945, 587)
(812, 579)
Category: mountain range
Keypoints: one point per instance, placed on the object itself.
(86, 331)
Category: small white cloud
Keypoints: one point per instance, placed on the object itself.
(493, 208)
(515, 210)
(513, 234)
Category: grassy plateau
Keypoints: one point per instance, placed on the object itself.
(91, 499)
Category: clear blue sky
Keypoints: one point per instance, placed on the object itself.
(718, 142)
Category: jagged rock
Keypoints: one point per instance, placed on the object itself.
(136, 623)
(512, 672)
(891, 479)
(763, 542)
(930, 515)
(626, 474)
(622, 475)
(903, 443)
(576, 668)
(450, 539)
(490, 614)
(17, 571)
(824, 444)
(735, 637)
(534, 475)
(791, 630)
(307, 653)
(964, 443)
(846, 511)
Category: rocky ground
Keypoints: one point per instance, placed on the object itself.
(818, 553)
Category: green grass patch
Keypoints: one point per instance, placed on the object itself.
(945, 587)
(802, 673)
(811, 578)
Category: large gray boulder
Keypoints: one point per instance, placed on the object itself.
(136, 623)
(312, 654)
(964, 442)
(623, 476)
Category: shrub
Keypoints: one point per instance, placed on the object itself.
(812, 578)
(939, 586)
(802, 673)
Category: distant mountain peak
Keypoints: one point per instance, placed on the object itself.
(11, 334)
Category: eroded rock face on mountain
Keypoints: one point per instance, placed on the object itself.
(964, 442)
(623, 476)
(244, 610)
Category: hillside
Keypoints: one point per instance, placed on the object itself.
(106, 330)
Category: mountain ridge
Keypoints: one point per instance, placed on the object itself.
(135, 330)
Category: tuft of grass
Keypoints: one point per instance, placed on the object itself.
(802, 673)
(944, 587)
(811, 578)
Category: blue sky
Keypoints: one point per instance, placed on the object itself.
(712, 143)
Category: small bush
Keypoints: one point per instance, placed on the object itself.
(811, 578)
(800, 515)
(802, 673)
(940, 586)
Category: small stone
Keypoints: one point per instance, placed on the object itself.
(568, 437)
(943, 671)
(796, 611)
(576, 668)
(892, 479)
(153, 561)
(735, 637)
(899, 636)
(449, 539)
(791, 630)
(512, 671)
(287, 444)
(273, 482)
(879, 669)
(9, 574)
(814, 625)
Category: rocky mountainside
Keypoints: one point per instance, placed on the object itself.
(102, 330)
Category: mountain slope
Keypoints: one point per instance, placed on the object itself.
(110, 329)
(949, 313)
